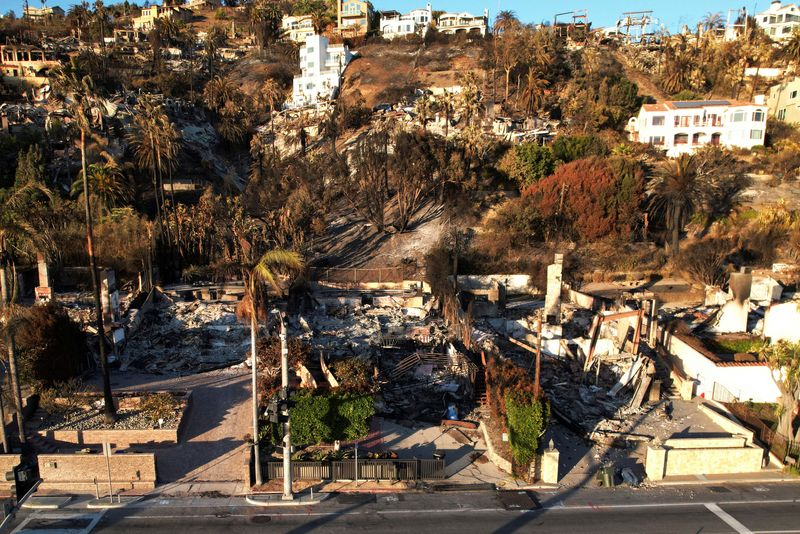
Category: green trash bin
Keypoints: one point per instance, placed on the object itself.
(606, 476)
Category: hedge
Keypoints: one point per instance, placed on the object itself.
(318, 418)
(526, 418)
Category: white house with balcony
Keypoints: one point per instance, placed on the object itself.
(454, 23)
(321, 67)
(779, 20)
(680, 127)
(416, 21)
(298, 28)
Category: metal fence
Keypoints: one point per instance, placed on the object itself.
(779, 445)
(721, 394)
(405, 470)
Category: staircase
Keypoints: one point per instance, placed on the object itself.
(481, 395)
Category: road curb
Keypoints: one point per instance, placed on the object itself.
(251, 499)
(784, 480)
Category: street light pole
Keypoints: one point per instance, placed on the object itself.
(287, 438)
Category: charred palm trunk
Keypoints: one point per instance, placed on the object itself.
(110, 411)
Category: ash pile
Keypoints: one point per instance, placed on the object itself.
(420, 375)
(187, 337)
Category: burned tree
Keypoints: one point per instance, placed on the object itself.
(412, 172)
(366, 184)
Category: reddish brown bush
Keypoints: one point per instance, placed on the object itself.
(596, 197)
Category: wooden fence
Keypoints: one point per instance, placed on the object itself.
(405, 470)
(355, 275)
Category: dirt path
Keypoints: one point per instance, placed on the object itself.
(644, 81)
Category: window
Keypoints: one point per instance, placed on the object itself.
(793, 94)
(658, 120)
(684, 121)
(786, 29)
(758, 116)
(782, 114)
(681, 139)
(738, 116)
(310, 64)
(756, 135)
(657, 140)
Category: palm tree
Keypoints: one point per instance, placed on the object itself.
(533, 95)
(265, 21)
(80, 15)
(677, 190)
(791, 49)
(320, 19)
(266, 270)
(215, 38)
(81, 92)
(712, 21)
(272, 96)
(107, 181)
(155, 143)
(504, 21)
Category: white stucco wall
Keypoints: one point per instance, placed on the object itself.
(747, 382)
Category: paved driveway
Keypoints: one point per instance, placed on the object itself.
(212, 445)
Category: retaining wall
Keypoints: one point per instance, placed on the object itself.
(87, 472)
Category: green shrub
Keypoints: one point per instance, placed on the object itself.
(526, 418)
(528, 163)
(329, 417)
(571, 148)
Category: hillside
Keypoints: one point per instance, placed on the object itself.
(385, 72)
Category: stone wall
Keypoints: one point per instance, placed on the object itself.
(665, 461)
(88, 472)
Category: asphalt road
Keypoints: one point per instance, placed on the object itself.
(772, 509)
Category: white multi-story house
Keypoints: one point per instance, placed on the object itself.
(321, 69)
(417, 21)
(680, 127)
(779, 21)
(454, 23)
(298, 28)
(784, 101)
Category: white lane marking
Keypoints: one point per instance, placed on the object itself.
(55, 516)
(728, 519)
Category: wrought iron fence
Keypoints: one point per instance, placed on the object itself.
(400, 470)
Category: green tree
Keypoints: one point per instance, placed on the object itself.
(528, 162)
(30, 167)
(784, 359)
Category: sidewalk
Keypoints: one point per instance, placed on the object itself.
(766, 476)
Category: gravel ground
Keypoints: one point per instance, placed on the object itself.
(93, 420)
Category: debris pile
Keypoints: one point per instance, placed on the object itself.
(188, 337)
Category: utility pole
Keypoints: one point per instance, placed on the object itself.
(287, 438)
(536, 383)
(254, 362)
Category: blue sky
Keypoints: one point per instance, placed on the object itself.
(672, 13)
